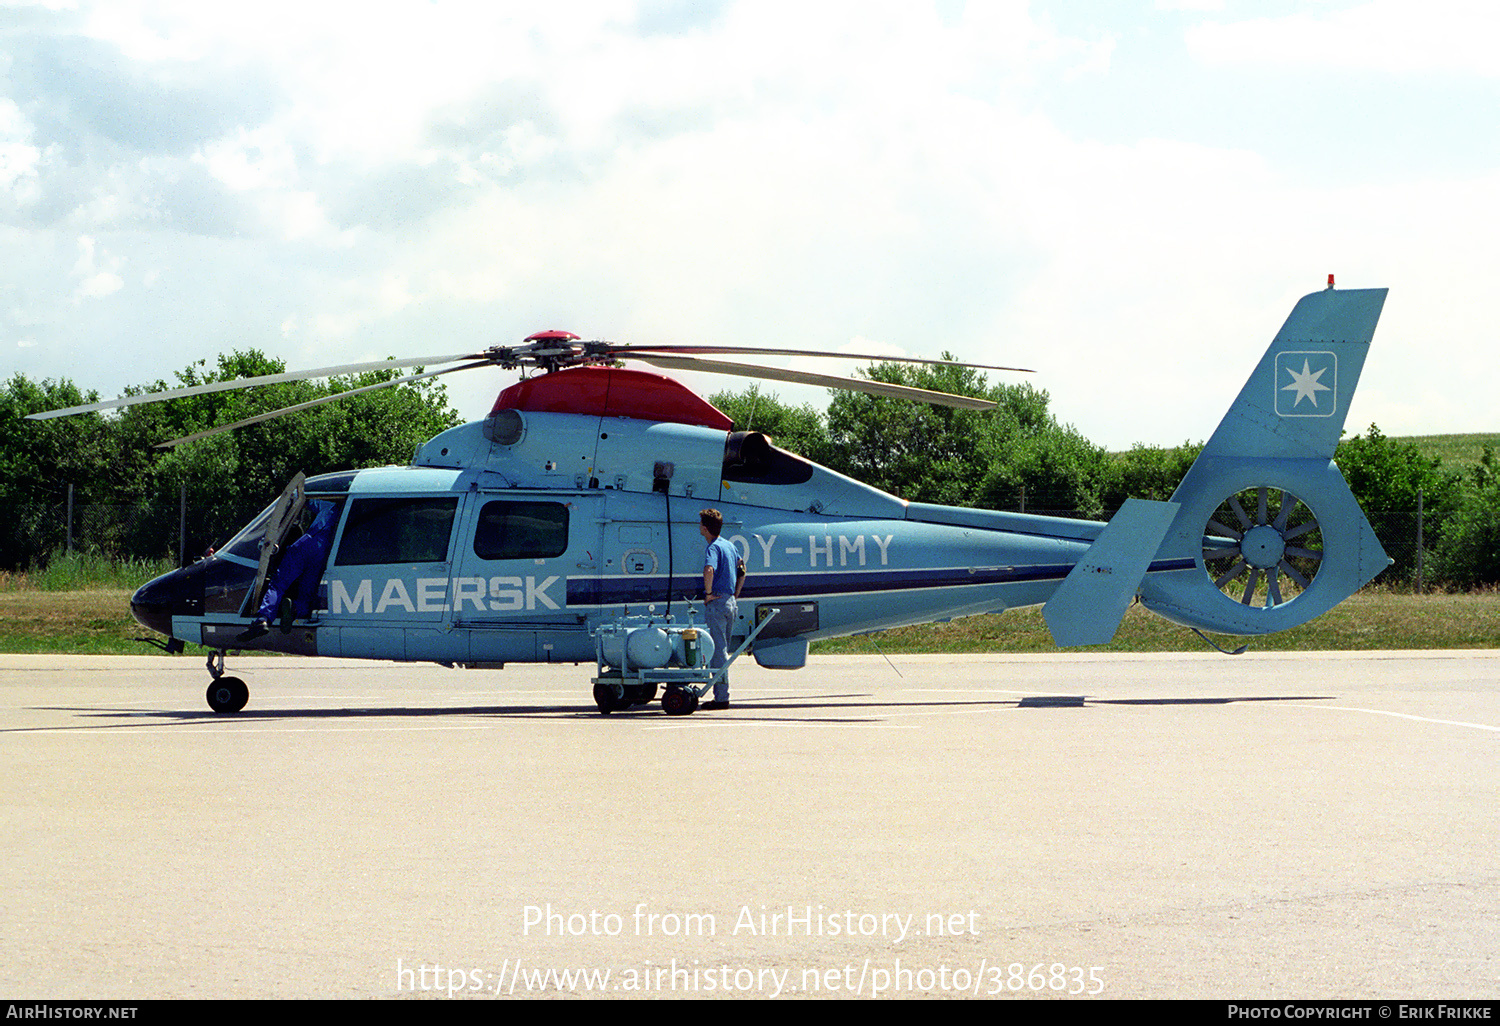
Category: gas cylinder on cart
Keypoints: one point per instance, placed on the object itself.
(650, 643)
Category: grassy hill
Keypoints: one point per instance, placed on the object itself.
(1458, 452)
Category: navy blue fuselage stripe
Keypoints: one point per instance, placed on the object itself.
(595, 591)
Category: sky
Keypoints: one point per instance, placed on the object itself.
(1126, 195)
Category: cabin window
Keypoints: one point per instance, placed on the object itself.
(397, 531)
(521, 530)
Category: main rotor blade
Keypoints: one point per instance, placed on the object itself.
(746, 370)
(264, 379)
(628, 349)
(315, 402)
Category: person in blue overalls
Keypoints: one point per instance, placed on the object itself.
(720, 582)
(296, 577)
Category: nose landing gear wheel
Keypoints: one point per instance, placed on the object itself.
(679, 701)
(228, 695)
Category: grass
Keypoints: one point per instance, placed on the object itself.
(1458, 452)
(98, 622)
(95, 622)
(1372, 619)
(85, 571)
(78, 603)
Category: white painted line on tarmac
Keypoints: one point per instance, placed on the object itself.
(1408, 716)
(820, 724)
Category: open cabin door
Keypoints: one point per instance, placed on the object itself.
(273, 543)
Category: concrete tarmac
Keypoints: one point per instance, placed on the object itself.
(1269, 826)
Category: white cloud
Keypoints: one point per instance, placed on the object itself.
(1387, 36)
(433, 176)
(95, 281)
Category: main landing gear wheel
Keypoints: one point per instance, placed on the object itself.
(678, 700)
(228, 695)
(1277, 538)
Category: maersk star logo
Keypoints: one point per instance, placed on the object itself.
(1306, 384)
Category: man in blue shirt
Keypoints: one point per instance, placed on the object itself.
(720, 582)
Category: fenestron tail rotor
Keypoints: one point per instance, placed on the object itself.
(1270, 551)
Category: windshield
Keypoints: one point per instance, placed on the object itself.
(246, 544)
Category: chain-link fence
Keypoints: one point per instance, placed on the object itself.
(142, 530)
(1405, 541)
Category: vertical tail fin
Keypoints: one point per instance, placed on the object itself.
(1294, 404)
(1276, 535)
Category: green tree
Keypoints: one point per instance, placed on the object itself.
(228, 477)
(1386, 476)
(1147, 472)
(798, 429)
(1003, 458)
(918, 451)
(40, 459)
(1048, 469)
(1468, 554)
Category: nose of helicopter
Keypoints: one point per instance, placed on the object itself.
(151, 605)
(214, 586)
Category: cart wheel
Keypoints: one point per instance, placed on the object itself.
(604, 698)
(228, 695)
(679, 701)
(640, 694)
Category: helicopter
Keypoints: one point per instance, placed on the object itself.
(563, 526)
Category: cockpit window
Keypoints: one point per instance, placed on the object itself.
(327, 484)
(246, 544)
(397, 531)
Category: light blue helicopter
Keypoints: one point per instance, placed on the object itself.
(563, 527)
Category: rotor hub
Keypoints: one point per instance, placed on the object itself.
(551, 351)
(1262, 547)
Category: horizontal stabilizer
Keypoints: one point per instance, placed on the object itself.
(1087, 607)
